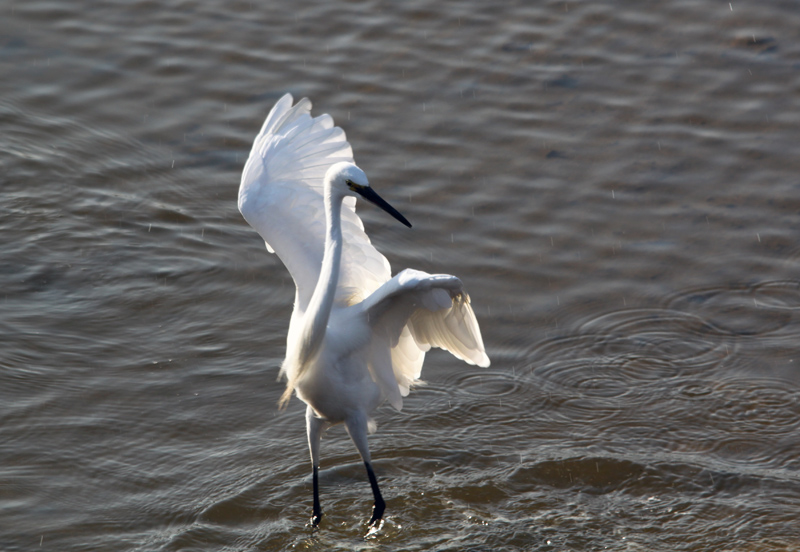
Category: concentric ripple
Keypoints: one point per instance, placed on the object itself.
(492, 384)
(743, 311)
(616, 351)
(666, 335)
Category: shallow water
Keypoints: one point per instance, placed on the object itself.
(616, 184)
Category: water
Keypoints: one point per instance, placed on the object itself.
(615, 182)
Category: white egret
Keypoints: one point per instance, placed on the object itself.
(357, 336)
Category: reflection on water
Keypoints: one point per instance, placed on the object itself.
(615, 183)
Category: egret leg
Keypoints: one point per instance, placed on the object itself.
(357, 428)
(316, 512)
(379, 506)
(314, 426)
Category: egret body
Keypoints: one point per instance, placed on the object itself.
(357, 336)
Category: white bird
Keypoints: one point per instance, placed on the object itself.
(357, 337)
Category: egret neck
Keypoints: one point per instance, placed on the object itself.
(319, 308)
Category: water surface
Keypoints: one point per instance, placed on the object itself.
(615, 182)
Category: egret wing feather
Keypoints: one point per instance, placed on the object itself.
(413, 312)
(280, 195)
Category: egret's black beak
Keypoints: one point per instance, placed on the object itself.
(369, 194)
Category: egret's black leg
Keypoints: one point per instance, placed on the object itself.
(316, 516)
(380, 505)
(357, 428)
(315, 427)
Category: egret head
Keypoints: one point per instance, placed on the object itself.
(349, 180)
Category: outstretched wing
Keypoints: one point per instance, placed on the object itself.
(411, 313)
(280, 195)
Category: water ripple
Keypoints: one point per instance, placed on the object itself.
(493, 384)
(573, 162)
(753, 310)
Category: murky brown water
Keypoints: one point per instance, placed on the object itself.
(615, 182)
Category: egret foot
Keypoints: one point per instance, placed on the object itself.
(315, 519)
(377, 514)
